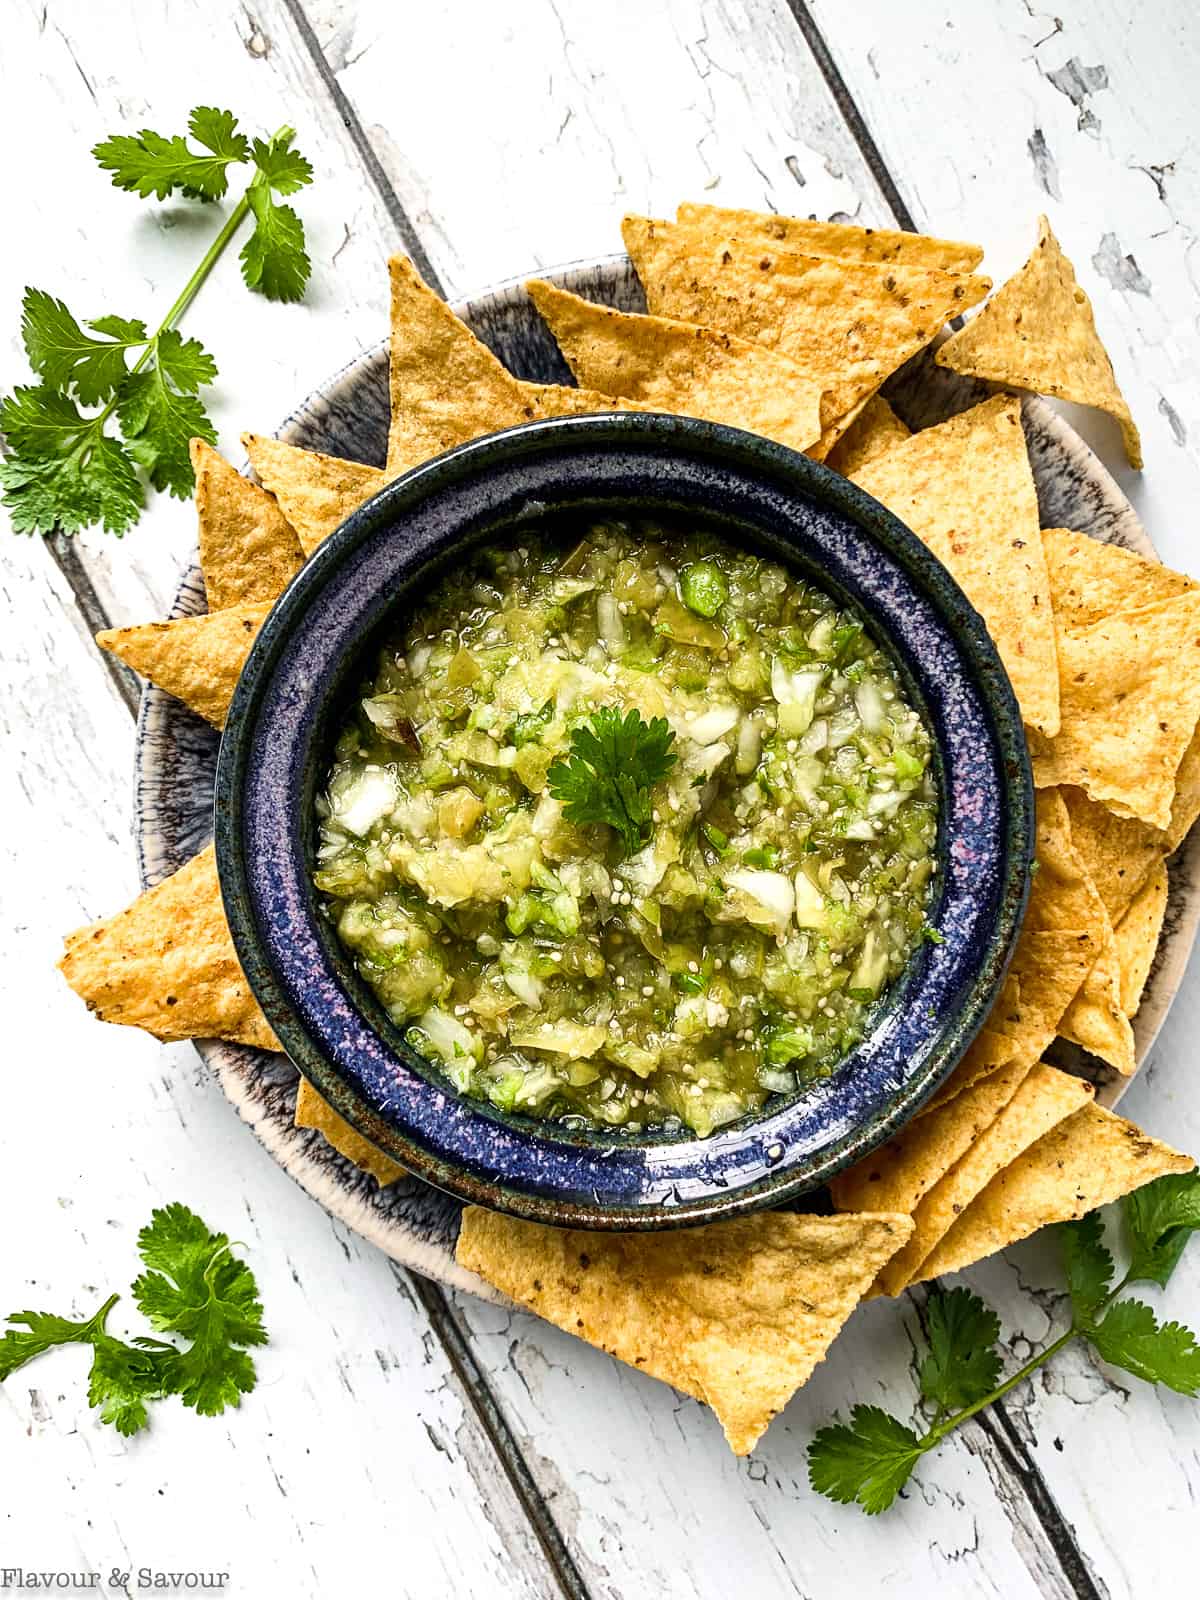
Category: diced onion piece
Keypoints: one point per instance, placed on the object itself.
(749, 747)
(870, 705)
(577, 1040)
(771, 890)
(796, 694)
(810, 903)
(447, 1037)
(369, 795)
(609, 623)
(712, 725)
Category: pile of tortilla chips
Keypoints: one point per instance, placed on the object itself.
(789, 328)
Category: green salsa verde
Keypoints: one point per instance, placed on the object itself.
(629, 833)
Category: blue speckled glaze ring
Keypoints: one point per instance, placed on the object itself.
(310, 655)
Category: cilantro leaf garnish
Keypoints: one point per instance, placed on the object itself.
(1159, 1220)
(194, 1287)
(962, 1364)
(147, 164)
(1167, 1353)
(868, 1460)
(614, 763)
(1089, 1265)
(69, 468)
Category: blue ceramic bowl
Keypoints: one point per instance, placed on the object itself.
(310, 656)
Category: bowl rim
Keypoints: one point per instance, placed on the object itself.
(806, 479)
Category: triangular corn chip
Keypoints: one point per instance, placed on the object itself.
(249, 551)
(1118, 852)
(561, 400)
(1094, 1019)
(1038, 332)
(317, 492)
(896, 1175)
(313, 1112)
(167, 964)
(678, 367)
(845, 240)
(988, 1052)
(446, 387)
(1050, 967)
(1130, 695)
(1089, 579)
(847, 324)
(1063, 898)
(1044, 1097)
(966, 489)
(197, 659)
(1185, 804)
(874, 430)
(1137, 936)
(737, 1313)
(1088, 1160)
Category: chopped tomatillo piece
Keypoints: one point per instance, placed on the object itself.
(703, 588)
(635, 869)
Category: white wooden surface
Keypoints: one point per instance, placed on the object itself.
(507, 137)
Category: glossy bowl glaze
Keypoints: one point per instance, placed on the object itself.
(311, 653)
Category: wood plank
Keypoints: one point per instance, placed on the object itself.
(1093, 121)
(102, 250)
(361, 1437)
(1074, 112)
(651, 1500)
(553, 121)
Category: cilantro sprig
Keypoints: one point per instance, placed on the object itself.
(868, 1460)
(116, 406)
(195, 1288)
(614, 764)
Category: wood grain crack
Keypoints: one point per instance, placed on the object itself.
(358, 134)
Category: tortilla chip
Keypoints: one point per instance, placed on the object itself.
(986, 1054)
(899, 1173)
(1089, 579)
(676, 366)
(248, 549)
(167, 964)
(1094, 1019)
(737, 1313)
(1064, 898)
(1043, 1099)
(874, 430)
(1050, 967)
(1117, 852)
(1130, 693)
(1185, 806)
(847, 324)
(313, 1112)
(197, 659)
(1038, 332)
(1137, 936)
(965, 488)
(845, 240)
(317, 492)
(446, 387)
(561, 400)
(1089, 1159)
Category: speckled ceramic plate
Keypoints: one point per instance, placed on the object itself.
(177, 752)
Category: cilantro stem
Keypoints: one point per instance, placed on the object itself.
(194, 284)
(939, 1430)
